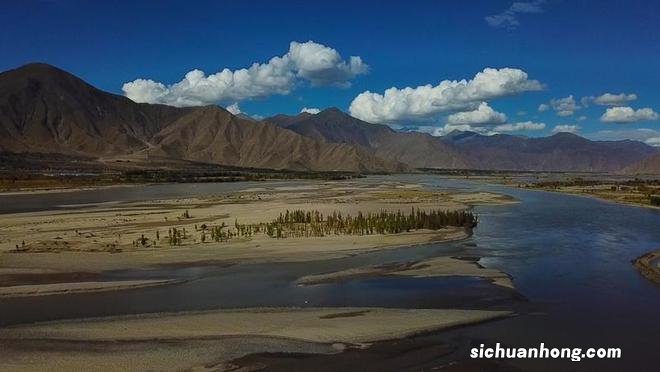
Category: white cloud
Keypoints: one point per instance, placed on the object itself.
(609, 99)
(564, 106)
(654, 141)
(426, 101)
(582, 118)
(322, 65)
(310, 110)
(487, 130)
(521, 126)
(484, 114)
(234, 109)
(509, 18)
(310, 61)
(628, 115)
(566, 128)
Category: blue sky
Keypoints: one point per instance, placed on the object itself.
(578, 48)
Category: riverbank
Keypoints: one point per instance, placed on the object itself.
(78, 287)
(433, 267)
(649, 266)
(96, 238)
(210, 340)
(622, 189)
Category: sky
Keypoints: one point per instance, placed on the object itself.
(529, 68)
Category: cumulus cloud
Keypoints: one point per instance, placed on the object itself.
(310, 61)
(310, 110)
(564, 106)
(509, 18)
(566, 128)
(426, 101)
(626, 114)
(487, 130)
(521, 126)
(561, 106)
(234, 109)
(484, 114)
(609, 99)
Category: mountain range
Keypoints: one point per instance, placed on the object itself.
(559, 152)
(46, 110)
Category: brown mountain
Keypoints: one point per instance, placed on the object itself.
(560, 152)
(419, 150)
(211, 133)
(46, 110)
(650, 165)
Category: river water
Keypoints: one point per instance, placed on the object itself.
(569, 256)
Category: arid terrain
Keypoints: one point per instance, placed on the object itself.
(55, 253)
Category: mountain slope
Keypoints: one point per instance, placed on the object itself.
(650, 165)
(43, 108)
(211, 133)
(46, 110)
(332, 125)
(560, 152)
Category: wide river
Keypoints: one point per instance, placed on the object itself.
(569, 256)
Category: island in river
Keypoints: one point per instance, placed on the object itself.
(63, 251)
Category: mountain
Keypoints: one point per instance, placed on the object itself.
(560, 152)
(419, 150)
(43, 108)
(46, 110)
(211, 134)
(650, 165)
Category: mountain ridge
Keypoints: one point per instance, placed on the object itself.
(46, 109)
(558, 152)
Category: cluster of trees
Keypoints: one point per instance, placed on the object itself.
(300, 223)
(655, 200)
(314, 223)
(175, 236)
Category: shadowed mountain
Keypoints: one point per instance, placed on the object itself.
(419, 150)
(46, 110)
(560, 152)
(650, 165)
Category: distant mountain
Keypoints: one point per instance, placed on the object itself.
(560, 152)
(419, 150)
(46, 110)
(650, 165)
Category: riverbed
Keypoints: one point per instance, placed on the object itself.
(569, 258)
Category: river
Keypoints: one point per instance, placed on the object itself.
(569, 256)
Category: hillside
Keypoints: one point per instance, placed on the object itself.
(46, 110)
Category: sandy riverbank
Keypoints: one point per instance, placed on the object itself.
(649, 266)
(101, 238)
(434, 267)
(77, 287)
(211, 339)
